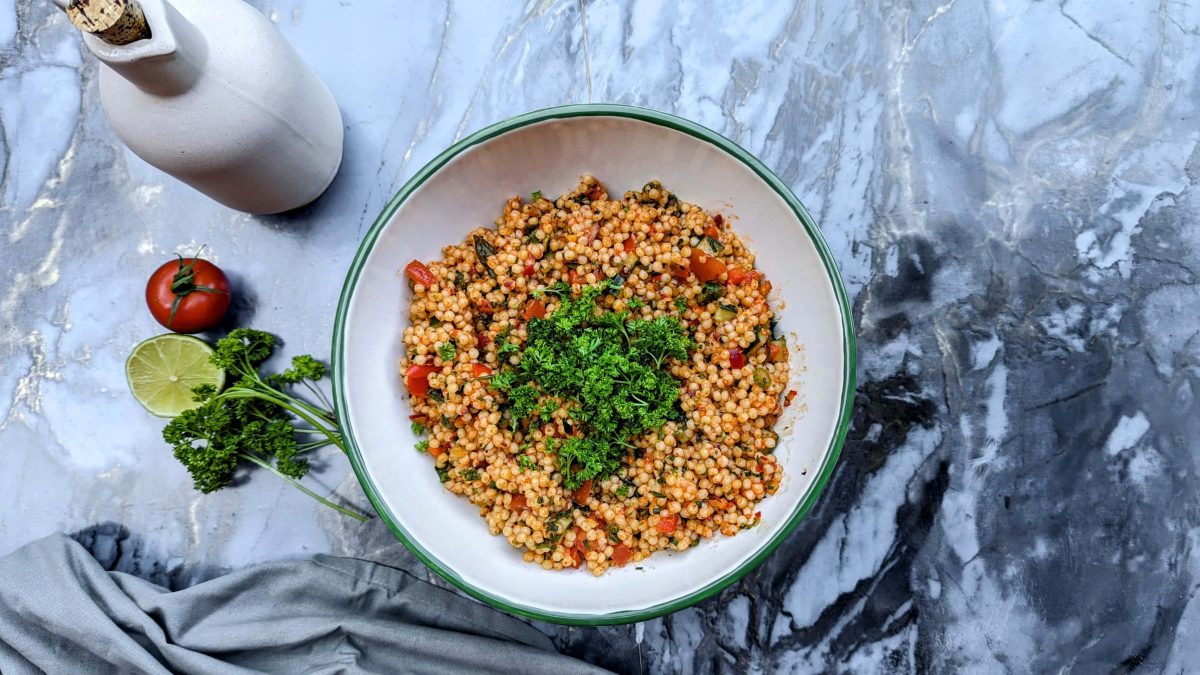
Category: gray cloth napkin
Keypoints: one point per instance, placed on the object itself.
(61, 612)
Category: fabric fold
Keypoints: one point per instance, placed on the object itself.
(60, 611)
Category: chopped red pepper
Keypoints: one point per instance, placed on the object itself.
(536, 309)
(575, 277)
(436, 452)
(713, 232)
(480, 370)
(517, 503)
(791, 395)
(737, 359)
(668, 523)
(527, 271)
(419, 273)
(680, 272)
(581, 495)
(486, 307)
(416, 378)
(621, 555)
(419, 419)
(597, 192)
(483, 340)
(630, 244)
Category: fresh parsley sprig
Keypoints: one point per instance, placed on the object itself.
(256, 419)
(612, 370)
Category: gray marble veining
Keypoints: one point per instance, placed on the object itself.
(1010, 188)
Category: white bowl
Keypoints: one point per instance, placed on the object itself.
(464, 188)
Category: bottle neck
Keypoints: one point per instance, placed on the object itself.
(168, 63)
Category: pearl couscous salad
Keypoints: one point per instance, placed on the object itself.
(599, 374)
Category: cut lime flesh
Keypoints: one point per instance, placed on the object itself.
(163, 370)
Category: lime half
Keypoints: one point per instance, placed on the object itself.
(163, 370)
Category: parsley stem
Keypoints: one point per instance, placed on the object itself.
(267, 465)
(244, 392)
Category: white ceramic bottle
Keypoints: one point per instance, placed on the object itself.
(217, 98)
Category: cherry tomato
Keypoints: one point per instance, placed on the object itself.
(536, 309)
(621, 555)
(739, 274)
(188, 295)
(705, 266)
(416, 378)
(668, 523)
(580, 496)
(419, 273)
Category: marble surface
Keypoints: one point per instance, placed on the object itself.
(1010, 188)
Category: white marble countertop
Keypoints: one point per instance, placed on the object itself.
(1010, 189)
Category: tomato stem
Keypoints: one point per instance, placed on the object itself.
(184, 283)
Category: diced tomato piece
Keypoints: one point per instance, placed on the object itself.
(737, 359)
(596, 192)
(739, 275)
(791, 395)
(577, 551)
(419, 419)
(483, 340)
(705, 267)
(480, 370)
(621, 555)
(527, 271)
(419, 273)
(581, 495)
(713, 232)
(535, 309)
(436, 452)
(486, 307)
(719, 220)
(517, 503)
(630, 244)
(575, 277)
(680, 272)
(416, 378)
(668, 523)
(719, 504)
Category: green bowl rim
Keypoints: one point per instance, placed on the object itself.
(849, 352)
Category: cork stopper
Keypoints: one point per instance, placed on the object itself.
(117, 22)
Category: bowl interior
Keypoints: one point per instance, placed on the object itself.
(460, 192)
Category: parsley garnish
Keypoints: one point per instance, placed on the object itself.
(537, 194)
(526, 462)
(448, 351)
(636, 303)
(418, 429)
(469, 474)
(681, 303)
(423, 446)
(613, 368)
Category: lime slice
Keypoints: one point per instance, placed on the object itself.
(163, 370)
